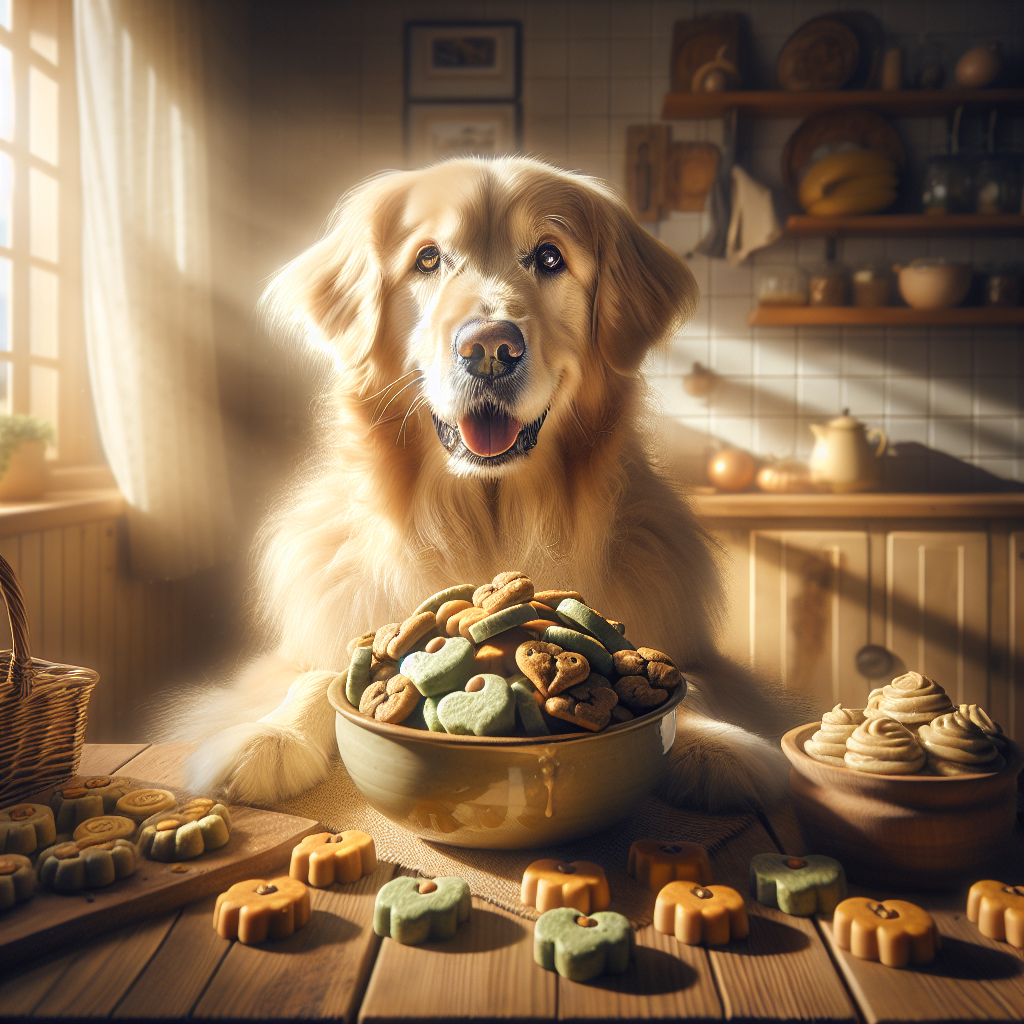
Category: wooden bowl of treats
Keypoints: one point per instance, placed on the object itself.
(507, 740)
(910, 791)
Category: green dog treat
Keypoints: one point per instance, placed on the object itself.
(486, 707)
(358, 675)
(580, 947)
(86, 797)
(17, 879)
(596, 653)
(446, 670)
(25, 828)
(577, 615)
(194, 828)
(802, 886)
(414, 910)
(492, 625)
(463, 592)
(529, 711)
(69, 867)
(430, 714)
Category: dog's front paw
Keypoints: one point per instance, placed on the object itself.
(256, 763)
(719, 767)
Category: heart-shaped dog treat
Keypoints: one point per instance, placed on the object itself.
(507, 588)
(638, 694)
(577, 615)
(487, 707)
(588, 703)
(549, 668)
(392, 701)
(443, 671)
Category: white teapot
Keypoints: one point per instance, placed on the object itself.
(844, 457)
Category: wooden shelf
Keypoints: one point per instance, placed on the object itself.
(913, 225)
(755, 505)
(695, 106)
(884, 316)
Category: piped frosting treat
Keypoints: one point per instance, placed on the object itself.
(956, 746)
(884, 747)
(828, 744)
(912, 699)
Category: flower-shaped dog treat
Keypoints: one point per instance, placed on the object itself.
(655, 863)
(581, 947)
(956, 746)
(709, 914)
(260, 909)
(323, 859)
(414, 910)
(998, 910)
(84, 798)
(588, 703)
(25, 828)
(883, 746)
(802, 886)
(195, 827)
(576, 615)
(580, 884)
(646, 678)
(104, 829)
(440, 671)
(911, 699)
(487, 707)
(828, 744)
(71, 867)
(17, 879)
(892, 931)
(549, 668)
(139, 804)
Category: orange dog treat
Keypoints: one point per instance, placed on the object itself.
(655, 864)
(454, 626)
(256, 910)
(998, 911)
(489, 659)
(894, 932)
(548, 884)
(695, 914)
(447, 610)
(323, 859)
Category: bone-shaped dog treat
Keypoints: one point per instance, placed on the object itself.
(323, 859)
(655, 863)
(582, 947)
(802, 886)
(259, 909)
(414, 910)
(17, 879)
(892, 931)
(998, 910)
(25, 828)
(695, 914)
(581, 884)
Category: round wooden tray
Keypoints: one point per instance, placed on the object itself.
(820, 56)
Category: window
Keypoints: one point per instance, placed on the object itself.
(42, 365)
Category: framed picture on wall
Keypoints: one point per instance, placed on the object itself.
(435, 131)
(462, 60)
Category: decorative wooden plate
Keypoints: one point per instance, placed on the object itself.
(820, 56)
(696, 42)
(830, 130)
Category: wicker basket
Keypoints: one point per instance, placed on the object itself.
(42, 709)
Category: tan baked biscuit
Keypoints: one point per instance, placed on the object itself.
(505, 590)
(588, 703)
(411, 630)
(392, 701)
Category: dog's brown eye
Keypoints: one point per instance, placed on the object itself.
(428, 259)
(549, 259)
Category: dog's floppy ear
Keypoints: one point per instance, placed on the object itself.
(643, 292)
(333, 292)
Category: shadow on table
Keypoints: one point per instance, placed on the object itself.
(970, 962)
(769, 937)
(486, 931)
(654, 972)
(322, 929)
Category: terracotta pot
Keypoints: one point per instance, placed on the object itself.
(503, 793)
(910, 831)
(26, 476)
(934, 284)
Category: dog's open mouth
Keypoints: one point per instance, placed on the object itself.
(488, 435)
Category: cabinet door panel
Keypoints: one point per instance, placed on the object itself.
(1015, 720)
(937, 609)
(809, 611)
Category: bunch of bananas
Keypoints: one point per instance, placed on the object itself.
(852, 181)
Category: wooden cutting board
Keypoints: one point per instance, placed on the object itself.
(261, 843)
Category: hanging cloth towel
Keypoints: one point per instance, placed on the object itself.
(753, 224)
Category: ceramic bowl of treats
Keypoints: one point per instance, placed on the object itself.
(512, 726)
(912, 789)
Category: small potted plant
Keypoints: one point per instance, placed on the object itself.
(23, 441)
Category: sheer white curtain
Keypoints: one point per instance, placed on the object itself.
(146, 278)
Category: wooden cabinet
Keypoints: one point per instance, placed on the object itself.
(813, 579)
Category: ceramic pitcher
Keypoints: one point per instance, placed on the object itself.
(846, 454)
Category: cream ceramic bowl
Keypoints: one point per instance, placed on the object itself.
(934, 284)
(914, 831)
(504, 793)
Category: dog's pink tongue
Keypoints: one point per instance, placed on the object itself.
(489, 434)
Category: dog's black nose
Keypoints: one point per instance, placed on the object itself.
(489, 348)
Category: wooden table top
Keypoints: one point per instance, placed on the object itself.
(176, 965)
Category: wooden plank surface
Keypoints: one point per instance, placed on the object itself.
(163, 764)
(319, 972)
(107, 758)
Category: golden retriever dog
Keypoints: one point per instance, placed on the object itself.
(486, 322)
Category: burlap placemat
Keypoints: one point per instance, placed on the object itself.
(495, 875)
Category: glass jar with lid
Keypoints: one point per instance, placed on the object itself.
(781, 286)
(872, 285)
(827, 285)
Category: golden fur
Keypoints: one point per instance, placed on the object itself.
(384, 516)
